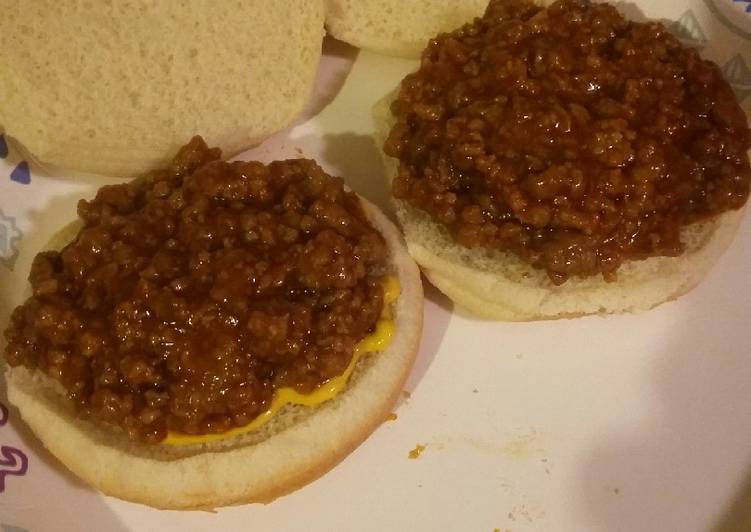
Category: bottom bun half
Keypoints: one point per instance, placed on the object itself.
(499, 285)
(299, 445)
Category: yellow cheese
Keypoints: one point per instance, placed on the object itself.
(374, 342)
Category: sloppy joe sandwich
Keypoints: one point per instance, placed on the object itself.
(559, 161)
(214, 333)
(115, 88)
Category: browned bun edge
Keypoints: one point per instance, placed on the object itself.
(292, 453)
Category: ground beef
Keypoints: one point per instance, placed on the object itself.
(188, 297)
(569, 136)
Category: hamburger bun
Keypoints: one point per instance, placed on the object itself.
(115, 88)
(499, 285)
(295, 447)
(395, 27)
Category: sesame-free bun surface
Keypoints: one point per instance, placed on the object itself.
(115, 88)
(397, 27)
(499, 285)
(297, 446)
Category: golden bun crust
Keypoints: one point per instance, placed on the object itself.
(292, 451)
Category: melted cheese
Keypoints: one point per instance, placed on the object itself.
(378, 340)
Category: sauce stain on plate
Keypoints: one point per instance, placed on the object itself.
(524, 446)
(521, 447)
(527, 512)
(415, 453)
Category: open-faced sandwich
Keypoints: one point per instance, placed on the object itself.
(216, 332)
(560, 161)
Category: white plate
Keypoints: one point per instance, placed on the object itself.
(620, 423)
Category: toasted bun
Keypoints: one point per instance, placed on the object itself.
(115, 88)
(297, 446)
(397, 27)
(499, 285)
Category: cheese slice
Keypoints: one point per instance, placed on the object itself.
(377, 341)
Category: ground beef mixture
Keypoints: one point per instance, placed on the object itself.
(189, 296)
(569, 136)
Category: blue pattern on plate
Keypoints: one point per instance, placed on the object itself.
(10, 235)
(687, 28)
(724, 11)
(21, 173)
(738, 74)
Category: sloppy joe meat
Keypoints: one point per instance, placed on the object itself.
(191, 295)
(568, 135)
